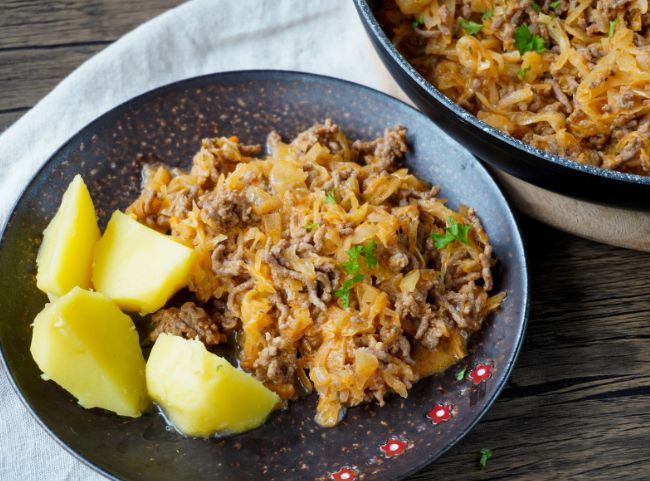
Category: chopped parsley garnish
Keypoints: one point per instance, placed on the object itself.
(368, 251)
(312, 226)
(354, 267)
(460, 375)
(612, 27)
(329, 197)
(526, 41)
(485, 455)
(344, 292)
(487, 14)
(418, 21)
(535, 6)
(555, 4)
(522, 73)
(470, 27)
(455, 232)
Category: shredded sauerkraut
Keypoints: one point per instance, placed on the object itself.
(340, 272)
(568, 76)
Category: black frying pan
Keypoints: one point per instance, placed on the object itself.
(500, 149)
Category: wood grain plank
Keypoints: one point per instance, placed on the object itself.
(576, 406)
(9, 117)
(25, 23)
(27, 75)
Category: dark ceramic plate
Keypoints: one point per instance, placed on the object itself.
(497, 148)
(167, 125)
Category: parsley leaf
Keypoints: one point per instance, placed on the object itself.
(329, 196)
(612, 27)
(526, 41)
(352, 266)
(344, 292)
(418, 21)
(455, 232)
(369, 253)
(442, 239)
(459, 231)
(460, 375)
(522, 73)
(535, 6)
(555, 4)
(312, 226)
(487, 14)
(538, 44)
(485, 455)
(470, 27)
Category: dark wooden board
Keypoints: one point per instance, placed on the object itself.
(29, 74)
(578, 403)
(42, 41)
(29, 23)
(8, 117)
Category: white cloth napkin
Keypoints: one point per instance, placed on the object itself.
(198, 37)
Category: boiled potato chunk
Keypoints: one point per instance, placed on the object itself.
(137, 267)
(66, 254)
(202, 393)
(85, 344)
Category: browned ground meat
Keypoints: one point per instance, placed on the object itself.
(385, 151)
(225, 208)
(189, 321)
(277, 361)
(326, 134)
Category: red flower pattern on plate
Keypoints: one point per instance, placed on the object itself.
(344, 474)
(393, 447)
(480, 373)
(440, 413)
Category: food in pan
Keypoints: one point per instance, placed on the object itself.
(568, 76)
(324, 263)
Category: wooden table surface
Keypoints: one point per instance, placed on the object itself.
(578, 403)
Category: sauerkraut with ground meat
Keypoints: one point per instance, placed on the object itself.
(568, 76)
(339, 271)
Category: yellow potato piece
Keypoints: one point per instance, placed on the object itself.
(66, 253)
(201, 393)
(85, 344)
(137, 267)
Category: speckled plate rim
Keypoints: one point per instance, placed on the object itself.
(280, 75)
(364, 10)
